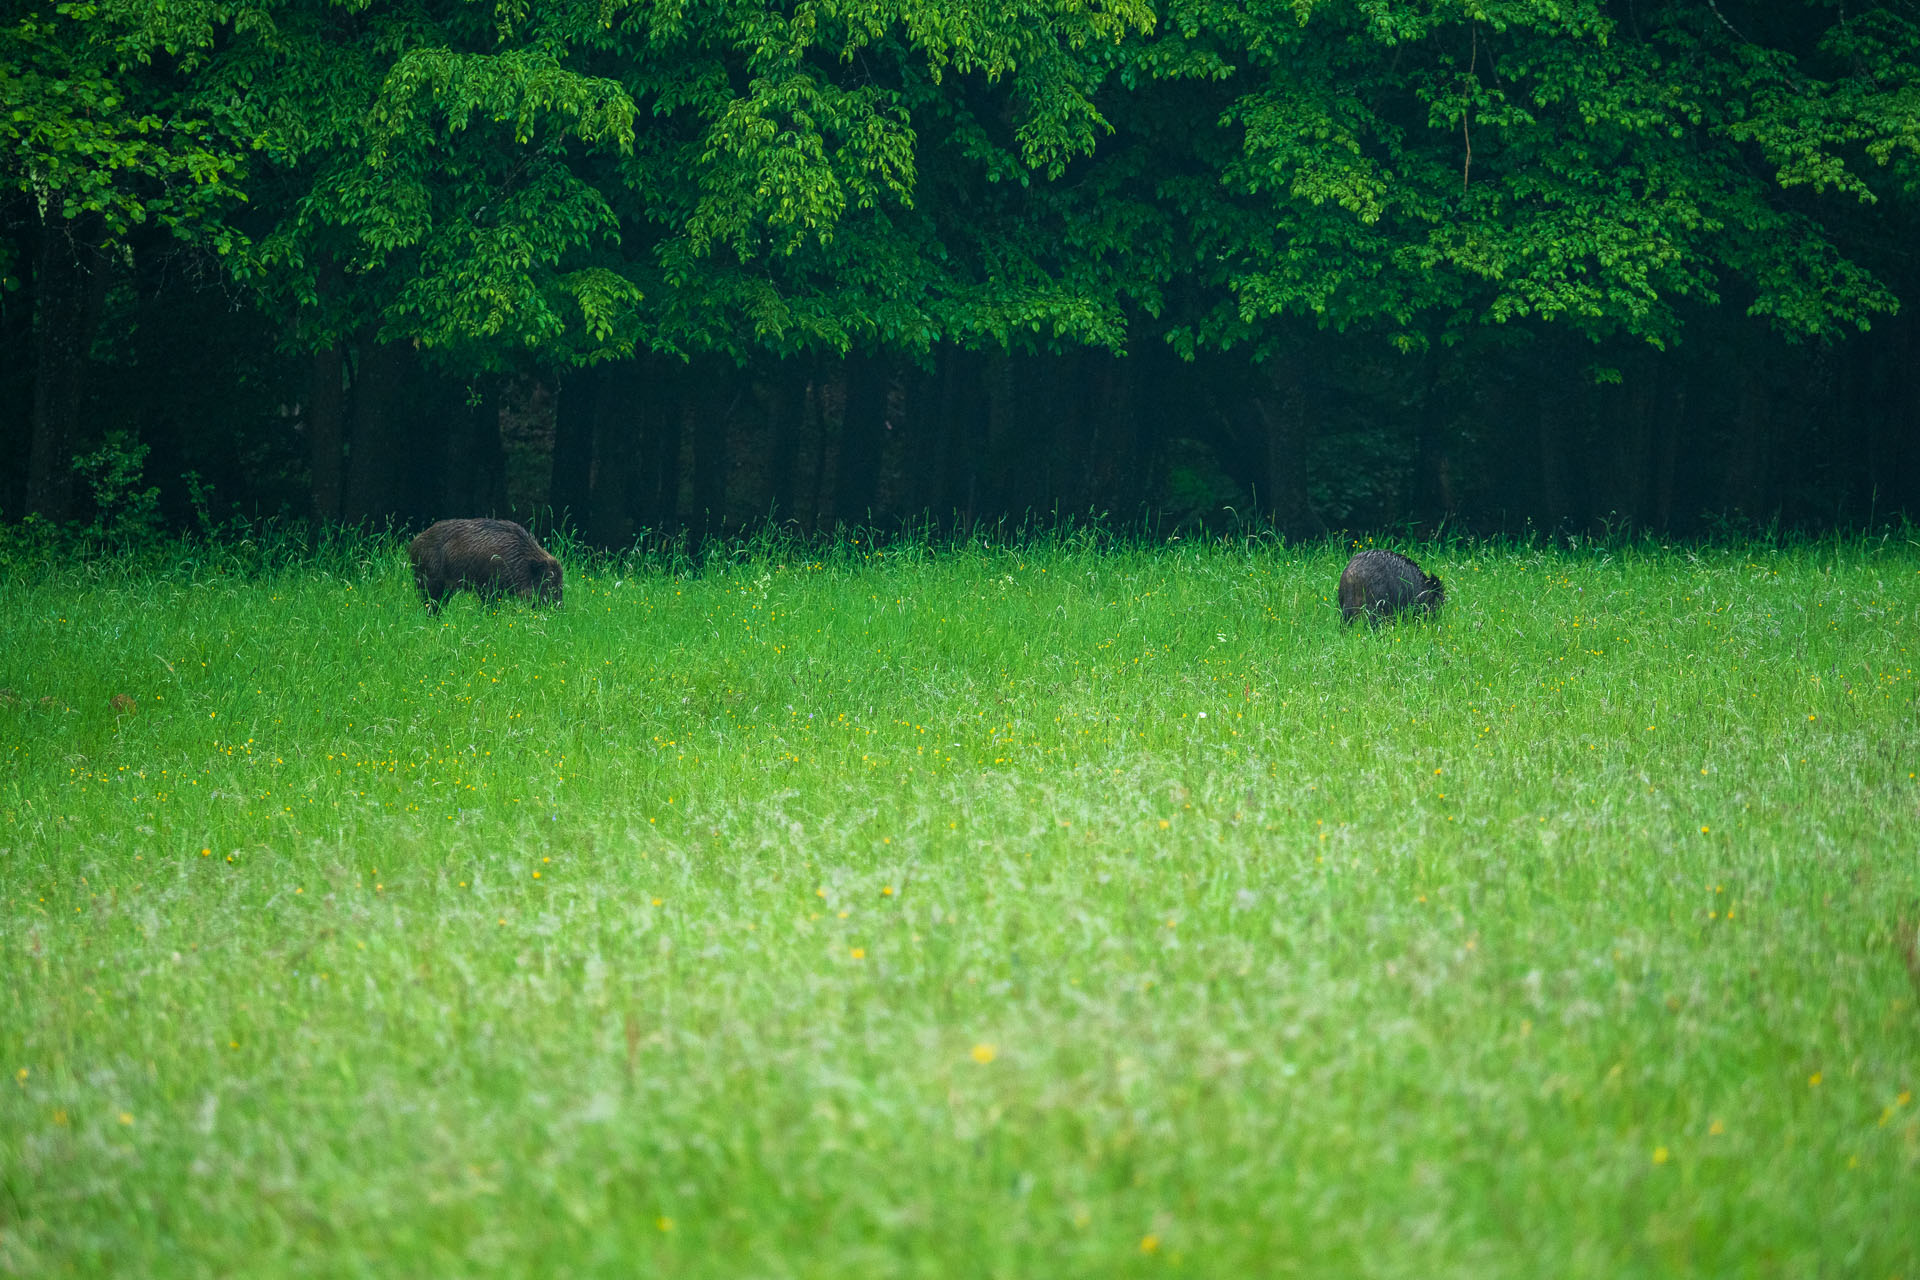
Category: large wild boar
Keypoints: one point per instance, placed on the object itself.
(492, 557)
(1379, 584)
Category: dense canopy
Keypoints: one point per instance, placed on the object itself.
(646, 265)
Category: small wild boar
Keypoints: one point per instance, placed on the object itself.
(1378, 584)
(493, 557)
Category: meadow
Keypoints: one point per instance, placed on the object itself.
(1063, 910)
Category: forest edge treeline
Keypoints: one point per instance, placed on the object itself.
(639, 266)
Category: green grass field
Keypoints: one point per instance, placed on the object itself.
(1051, 912)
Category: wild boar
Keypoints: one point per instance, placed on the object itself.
(491, 557)
(1379, 584)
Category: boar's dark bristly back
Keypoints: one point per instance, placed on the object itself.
(488, 557)
(1378, 584)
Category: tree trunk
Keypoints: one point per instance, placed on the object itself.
(1747, 488)
(1630, 443)
(326, 416)
(1433, 481)
(471, 478)
(786, 412)
(1906, 471)
(1287, 419)
(659, 506)
(862, 432)
(372, 463)
(1070, 456)
(719, 397)
(996, 490)
(156, 364)
(327, 431)
(69, 289)
(1103, 389)
(1145, 407)
(1893, 414)
(1646, 408)
(1119, 484)
(16, 383)
(1024, 433)
(825, 391)
(963, 408)
(921, 425)
(1672, 423)
(619, 420)
(571, 495)
(1553, 423)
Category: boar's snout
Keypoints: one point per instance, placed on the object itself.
(550, 588)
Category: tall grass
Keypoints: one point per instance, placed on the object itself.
(1062, 909)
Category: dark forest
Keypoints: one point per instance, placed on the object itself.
(642, 269)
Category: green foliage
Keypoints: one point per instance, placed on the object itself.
(95, 138)
(512, 188)
(575, 179)
(126, 517)
(1422, 172)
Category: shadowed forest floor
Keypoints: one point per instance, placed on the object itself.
(1049, 911)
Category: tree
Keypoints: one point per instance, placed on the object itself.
(97, 141)
(1421, 175)
(1380, 236)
